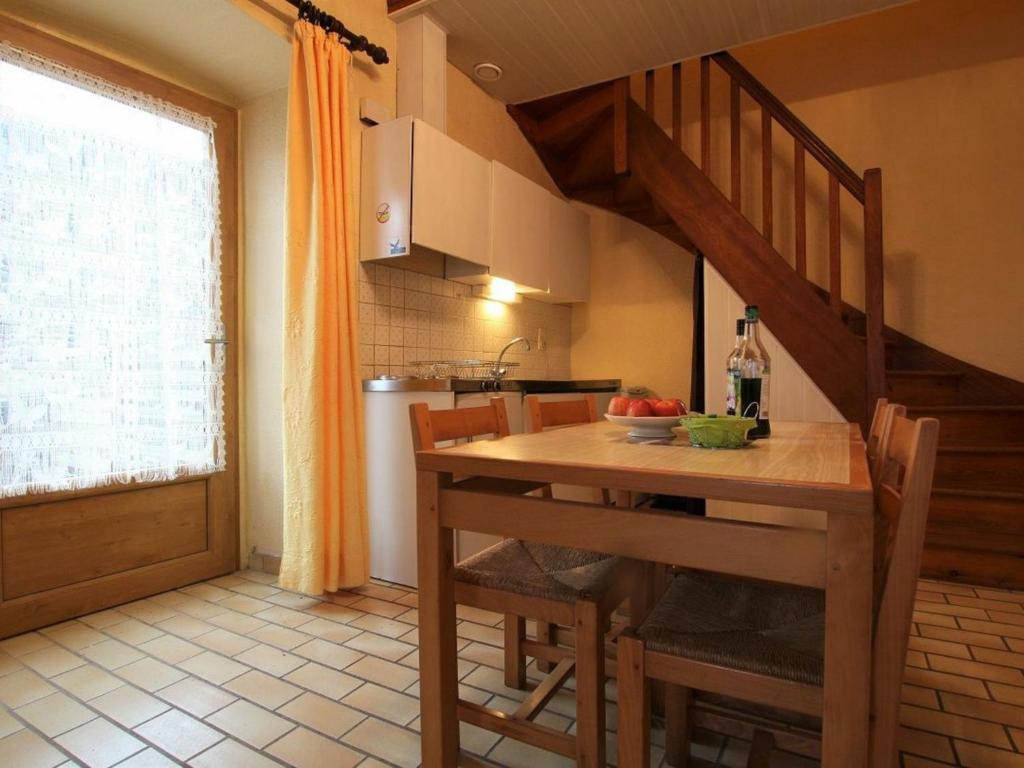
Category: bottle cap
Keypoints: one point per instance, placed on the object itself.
(752, 312)
(741, 324)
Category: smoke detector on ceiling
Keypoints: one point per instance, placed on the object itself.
(488, 72)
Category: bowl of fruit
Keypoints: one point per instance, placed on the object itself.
(646, 418)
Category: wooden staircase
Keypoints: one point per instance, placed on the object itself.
(602, 147)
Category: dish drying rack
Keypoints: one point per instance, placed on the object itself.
(458, 369)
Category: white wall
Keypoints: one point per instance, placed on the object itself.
(263, 168)
(793, 395)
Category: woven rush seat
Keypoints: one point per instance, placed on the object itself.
(540, 570)
(770, 629)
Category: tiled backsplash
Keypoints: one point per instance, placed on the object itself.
(405, 316)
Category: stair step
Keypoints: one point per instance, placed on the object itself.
(967, 566)
(975, 425)
(923, 387)
(978, 520)
(980, 468)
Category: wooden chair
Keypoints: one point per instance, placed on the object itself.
(549, 584)
(684, 641)
(880, 423)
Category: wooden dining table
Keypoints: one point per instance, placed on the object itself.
(807, 465)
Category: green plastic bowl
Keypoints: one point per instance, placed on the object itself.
(714, 431)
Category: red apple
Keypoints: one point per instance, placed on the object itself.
(618, 406)
(652, 401)
(639, 408)
(680, 406)
(669, 408)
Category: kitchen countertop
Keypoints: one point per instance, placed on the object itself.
(526, 386)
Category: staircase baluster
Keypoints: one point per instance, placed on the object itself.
(677, 103)
(766, 173)
(800, 208)
(874, 299)
(705, 114)
(734, 139)
(621, 161)
(649, 93)
(835, 271)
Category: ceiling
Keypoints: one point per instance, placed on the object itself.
(550, 46)
(209, 45)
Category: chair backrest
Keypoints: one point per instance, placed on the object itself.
(880, 424)
(432, 427)
(904, 483)
(559, 413)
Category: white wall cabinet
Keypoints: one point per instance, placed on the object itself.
(569, 259)
(422, 195)
(520, 229)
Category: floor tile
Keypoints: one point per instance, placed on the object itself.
(383, 702)
(171, 649)
(230, 754)
(149, 611)
(979, 756)
(304, 749)
(206, 592)
(199, 609)
(322, 714)
(196, 697)
(27, 643)
(55, 714)
(178, 734)
(271, 660)
(100, 743)
(112, 654)
(253, 725)
(88, 682)
(23, 687)
(293, 601)
(378, 607)
(225, 642)
(237, 622)
(185, 626)
(324, 680)
(148, 758)
(76, 636)
(327, 653)
(9, 664)
(150, 674)
(213, 667)
(385, 647)
(259, 591)
(330, 630)
(280, 637)
(133, 632)
(50, 662)
(285, 617)
(103, 619)
(333, 612)
(388, 742)
(8, 724)
(381, 625)
(25, 748)
(244, 604)
(383, 672)
(263, 689)
(129, 706)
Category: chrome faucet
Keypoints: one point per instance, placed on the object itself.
(498, 372)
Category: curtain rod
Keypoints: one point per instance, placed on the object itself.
(312, 14)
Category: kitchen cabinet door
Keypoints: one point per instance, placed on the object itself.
(569, 276)
(450, 192)
(520, 229)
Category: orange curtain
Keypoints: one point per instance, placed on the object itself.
(325, 526)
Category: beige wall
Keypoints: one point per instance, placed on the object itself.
(930, 93)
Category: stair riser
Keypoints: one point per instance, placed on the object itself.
(972, 567)
(924, 390)
(992, 427)
(992, 525)
(981, 471)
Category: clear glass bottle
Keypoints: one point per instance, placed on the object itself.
(755, 374)
(732, 370)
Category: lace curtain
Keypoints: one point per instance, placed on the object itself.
(109, 284)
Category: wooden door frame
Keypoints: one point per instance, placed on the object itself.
(222, 532)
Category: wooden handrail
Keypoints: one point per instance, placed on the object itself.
(784, 117)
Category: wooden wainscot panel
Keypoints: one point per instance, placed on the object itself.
(59, 543)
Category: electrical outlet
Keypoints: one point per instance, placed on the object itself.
(542, 345)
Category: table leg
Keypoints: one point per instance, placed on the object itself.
(439, 684)
(848, 617)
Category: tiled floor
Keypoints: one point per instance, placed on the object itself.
(236, 672)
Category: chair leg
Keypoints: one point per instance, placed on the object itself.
(634, 705)
(547, 633)
(677, 725)
(590, 679)
(515, 660)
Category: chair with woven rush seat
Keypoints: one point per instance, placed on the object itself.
(543, 582)
(763, 642)
(880, 423)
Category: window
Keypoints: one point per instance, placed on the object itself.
(110, 284)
